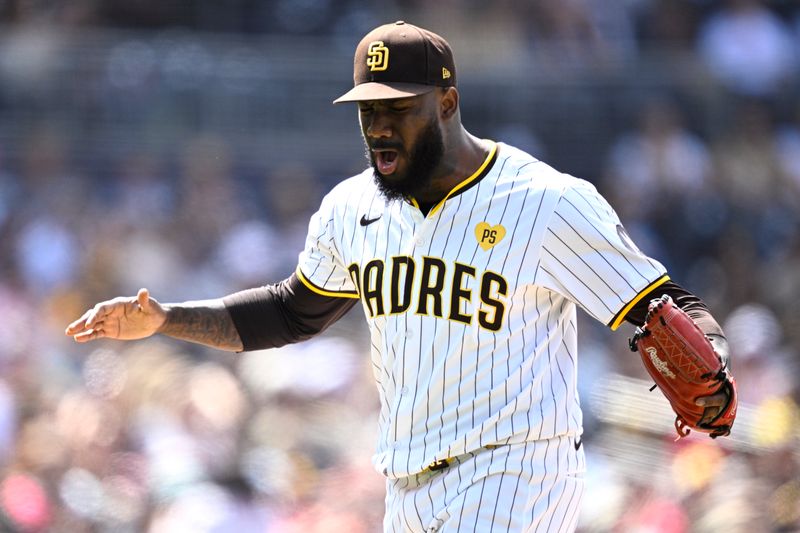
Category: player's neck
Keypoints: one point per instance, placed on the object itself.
(461, 161)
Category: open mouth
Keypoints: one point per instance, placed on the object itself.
(386, 161)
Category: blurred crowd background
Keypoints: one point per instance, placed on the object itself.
(182, 146)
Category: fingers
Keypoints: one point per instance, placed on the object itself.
(709, 414)
(89, 335)
(97, 313)
(88, 320)
(93, 318)
(718, 399)
(124, 317)
(143, 299)
(78, 325)
(80, 332)
(713, 405)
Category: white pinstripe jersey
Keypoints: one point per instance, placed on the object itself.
(472, 307)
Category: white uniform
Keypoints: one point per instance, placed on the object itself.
(472, 317)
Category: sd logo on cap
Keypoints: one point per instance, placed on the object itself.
(420, 61)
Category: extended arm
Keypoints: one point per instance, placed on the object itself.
(256, 318)
(141, 316)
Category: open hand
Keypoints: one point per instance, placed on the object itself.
(123, 318)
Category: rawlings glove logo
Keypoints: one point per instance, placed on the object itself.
(660, 364)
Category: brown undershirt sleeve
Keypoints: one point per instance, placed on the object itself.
(283, 313)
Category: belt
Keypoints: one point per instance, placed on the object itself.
(441, 464)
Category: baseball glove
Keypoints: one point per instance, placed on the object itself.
(684, 365)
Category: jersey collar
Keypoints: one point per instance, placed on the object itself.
(479, 174)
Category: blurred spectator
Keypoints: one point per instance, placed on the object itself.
(659, 157)
(8, 421)
(748, 48)
(580, 32)
(650, 511)
(9, 192)
(756, 341)
(142, 195)
(656, 168)
(788, 147)
(746, 159)
(46, 246)
(668, 24)
(252, 253)
(207, 195)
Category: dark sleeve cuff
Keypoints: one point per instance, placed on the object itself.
(284, 313)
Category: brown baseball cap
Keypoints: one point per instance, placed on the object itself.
(399, 60)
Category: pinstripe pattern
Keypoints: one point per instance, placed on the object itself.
(486, 352)
(529, 487)
(584, 257)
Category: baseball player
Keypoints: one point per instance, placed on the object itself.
(469, 258)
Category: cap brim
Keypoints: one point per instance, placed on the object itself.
(383, 91)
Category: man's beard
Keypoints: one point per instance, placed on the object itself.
(423, 158)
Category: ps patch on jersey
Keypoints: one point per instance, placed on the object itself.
(488, 235)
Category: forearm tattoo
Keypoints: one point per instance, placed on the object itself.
(202, 323)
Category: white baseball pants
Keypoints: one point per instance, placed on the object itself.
(528, 487)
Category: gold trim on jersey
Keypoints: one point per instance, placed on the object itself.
(323, 292)
(478, 173)
(647, 290)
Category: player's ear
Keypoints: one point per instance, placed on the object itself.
(448, 103)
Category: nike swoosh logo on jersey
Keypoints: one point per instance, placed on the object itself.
(578, 444)
(367, 221)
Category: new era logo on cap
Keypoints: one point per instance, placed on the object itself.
(399, 60)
